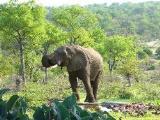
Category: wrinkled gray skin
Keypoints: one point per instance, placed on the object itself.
(82, 63)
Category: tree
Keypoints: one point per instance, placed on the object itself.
(22, 26)
(119, 48)
(79, 24)
(129, 68)
(140, 19)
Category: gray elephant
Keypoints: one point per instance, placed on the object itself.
(82, 63)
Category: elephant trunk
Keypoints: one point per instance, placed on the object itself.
(48, 61)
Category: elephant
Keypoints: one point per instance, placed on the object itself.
(82, 64)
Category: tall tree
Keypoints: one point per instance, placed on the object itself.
(22, 26)
(79, 24)
(118, 49)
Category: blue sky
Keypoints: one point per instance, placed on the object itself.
(80, 2)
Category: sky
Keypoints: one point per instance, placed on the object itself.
(80, 2)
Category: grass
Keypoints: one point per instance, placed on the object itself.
(37, 94)
(145, 92)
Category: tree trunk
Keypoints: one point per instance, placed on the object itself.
(111, 65)
(129, 80)
(22, 63)
(46, 75)
(110, 71)
(46, 46)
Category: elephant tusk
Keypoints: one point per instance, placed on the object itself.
(54, 66)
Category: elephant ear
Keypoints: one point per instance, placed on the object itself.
(77, 58)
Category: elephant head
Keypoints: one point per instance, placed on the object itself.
(68, 56)
(48, 60)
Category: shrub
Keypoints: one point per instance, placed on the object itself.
(151, 67)
(124, 94)
(141, 54)
(148, 51)
(13, 109)
(157, 53)
(67, 110)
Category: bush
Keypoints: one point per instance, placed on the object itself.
(142, 91)
(157, 53)
(124, 94)
(148, 51)
(13, 109)
(37, 93)
(67, 110)
(151, 67)
(141, 55)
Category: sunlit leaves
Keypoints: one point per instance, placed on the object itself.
(120, 47)
(78, 22)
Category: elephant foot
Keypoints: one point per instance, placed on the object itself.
(90, 99)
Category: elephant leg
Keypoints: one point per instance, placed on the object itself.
(89, 96)
(95, 84)
(74, 84)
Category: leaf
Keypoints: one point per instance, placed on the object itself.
(70, 102)
(82, 113)
(62, 111)
(3, 91)
(21, 105)
(3, 110)
(11, 102)
(39, 114)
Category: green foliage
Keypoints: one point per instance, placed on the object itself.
(6, 65)
(22, 28)
(144, 52)
(143, 91)
(151, 67)
(79, 23)
(148, 51)
(119, 49)
(67, 110)
(141, 54)
(129, 68)
(158, 52)
(129, 19)
(13, 109)
(124, 94)
(38, 93)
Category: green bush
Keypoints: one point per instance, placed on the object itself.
(143, 91)
(151, 67)
(13, 109)
(67, 110)
(157, 53)
(141, 54)
(148, 51)
(38, 93)
(124, 94)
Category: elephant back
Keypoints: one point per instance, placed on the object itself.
(83, 57)
(96, 62)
